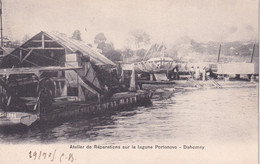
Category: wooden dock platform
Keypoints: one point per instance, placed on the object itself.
(154, 82)
(119, 101)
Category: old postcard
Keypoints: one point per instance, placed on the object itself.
(119, 81)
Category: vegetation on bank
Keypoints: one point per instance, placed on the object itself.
(185, 49)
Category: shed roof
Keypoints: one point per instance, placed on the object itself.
(72, 45)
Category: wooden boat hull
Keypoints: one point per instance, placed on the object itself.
(155, 65)
(9, 122)
(17, 118)
(65, 110)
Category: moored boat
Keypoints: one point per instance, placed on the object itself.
(18, 118)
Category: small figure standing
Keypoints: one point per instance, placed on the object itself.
(204, 74)
(192, 71)
(208, 75)
(177, 73)
(197, 73)
(174, 73)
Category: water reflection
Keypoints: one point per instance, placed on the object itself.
(218, 115)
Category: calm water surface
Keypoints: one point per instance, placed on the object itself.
(215, 115)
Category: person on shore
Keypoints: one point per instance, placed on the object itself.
(208, 75)
(176, 73)
(197, 73)
(192, 72)
(204, 74)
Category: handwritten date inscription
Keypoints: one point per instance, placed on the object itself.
(52, 156)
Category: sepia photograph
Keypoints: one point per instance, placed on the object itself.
(118, 81)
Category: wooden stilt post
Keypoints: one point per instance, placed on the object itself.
(43, 43)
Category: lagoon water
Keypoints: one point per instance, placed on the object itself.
(224, 115)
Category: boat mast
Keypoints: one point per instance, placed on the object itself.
(219, 52)
(1, 27)
(252, 54)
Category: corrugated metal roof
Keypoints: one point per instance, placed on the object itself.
(73, 45)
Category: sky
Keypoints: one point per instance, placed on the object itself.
(164, 20)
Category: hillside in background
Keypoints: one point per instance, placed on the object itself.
(188, 50)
